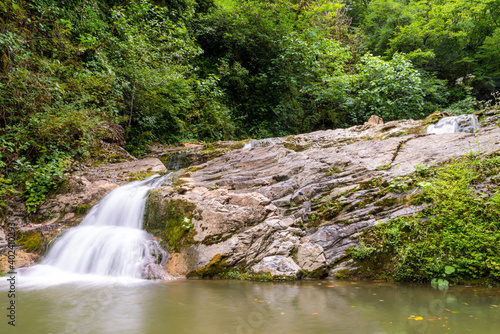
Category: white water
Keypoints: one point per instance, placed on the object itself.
(262, 143)
(109, 242)
(462, 123)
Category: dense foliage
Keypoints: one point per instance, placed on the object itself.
(455, 238)
(74, 71)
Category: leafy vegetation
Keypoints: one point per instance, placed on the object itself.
(73, 72)
(455, 238)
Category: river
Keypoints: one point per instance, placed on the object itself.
(231, 306)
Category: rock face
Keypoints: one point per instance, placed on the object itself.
(300, 198)
(287, 207)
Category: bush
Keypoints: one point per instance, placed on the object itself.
(460, 228)
(390, 89)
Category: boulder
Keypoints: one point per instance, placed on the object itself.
(310, 257)
(374, 119)
(276, 266)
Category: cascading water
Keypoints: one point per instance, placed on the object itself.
(262, 143)
(462, 123)
(109, 241)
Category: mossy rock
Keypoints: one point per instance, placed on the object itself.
(239, 145)
(435, 117)
(386, 202)
(315, 274)
(139, 176)
(294, 146)
(170, 220)
(374, 183)
(332, 171)
(31, 241)
(82, 209)
(217, 267)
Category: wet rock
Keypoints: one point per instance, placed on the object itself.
(344, 266)
(276, 266)
(23, 259)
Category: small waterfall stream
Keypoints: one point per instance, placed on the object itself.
(262, 143)
(462, 123)
(109, 241)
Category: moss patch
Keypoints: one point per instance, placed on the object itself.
(139, 176)
(30, 241)
(332, 171)
(386, 202)
(216, 268)
(435, 117)
(82, 209)
(294, 146)
(170, 220)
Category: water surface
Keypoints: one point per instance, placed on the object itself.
(191, 306)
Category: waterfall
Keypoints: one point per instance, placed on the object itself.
(262, 143)
(109, 241)
(462, 123)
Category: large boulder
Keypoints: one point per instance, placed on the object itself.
(276, 266)
(310, 256)
(306, 197)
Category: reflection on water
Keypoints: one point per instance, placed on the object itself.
(227, 307)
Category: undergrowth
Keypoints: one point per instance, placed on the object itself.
(454, 238)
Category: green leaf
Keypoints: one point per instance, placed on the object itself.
(449, 270)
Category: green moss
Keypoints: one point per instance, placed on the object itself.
(170, 220)
(139, 176)
(331, 209)
(435, 117)
(386, 202)
(315, 274)
(239, 145)
(343, 221)
(216, 268)
(30, 241)
(82, 209)
(314, 220)
(384, 167)
(343, 274)
(294, 146)
(418, 199)
(374, 183)
(192, 169)
(264, 277)
(210, 154)
(375, 211)
(333, 171)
